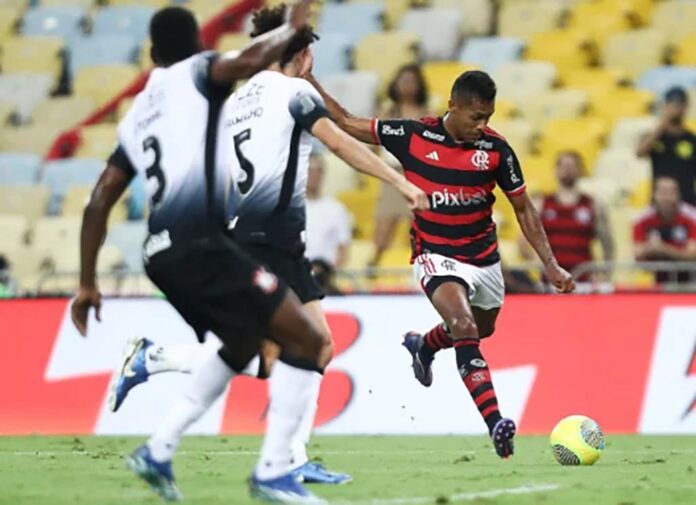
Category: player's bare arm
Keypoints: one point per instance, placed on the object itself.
(660, 250)
(530, 223)
(363, 160)
(110, 187)
(357, 127)
(264, 49)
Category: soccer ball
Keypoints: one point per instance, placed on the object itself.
(577, 440)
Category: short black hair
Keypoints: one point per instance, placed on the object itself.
(676, 94)
(422, 96)
(270, 18)
(174, 34)
(474, 85)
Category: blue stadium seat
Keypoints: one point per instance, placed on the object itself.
(354, 20)
(489, 53)
(101, 50)
(138, 198)
(54, 21)
(19, 168)
(332, 54)
(660, 79)
(25, 90)
(130, 20)
(60, 175)
(129, 237)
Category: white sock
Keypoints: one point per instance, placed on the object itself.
(184, 358)
(301, 438)
(207, 384)
(292, 390)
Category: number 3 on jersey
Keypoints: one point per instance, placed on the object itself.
(155, 170)
(248, 168)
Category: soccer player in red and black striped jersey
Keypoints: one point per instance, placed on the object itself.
(457, 160)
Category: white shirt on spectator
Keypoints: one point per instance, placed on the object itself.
(329, 226)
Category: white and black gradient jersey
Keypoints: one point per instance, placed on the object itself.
(265, 132)
(163, 136)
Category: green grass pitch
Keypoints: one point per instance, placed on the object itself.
(387, 471)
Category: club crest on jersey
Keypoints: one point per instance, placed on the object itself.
(679, 234)
(481, 160)
(265, 281)
(583, 215)
(393, 132)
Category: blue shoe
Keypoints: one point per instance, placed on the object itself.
(316, 473)
(285, 489)
(133, 371)
(413, 342)
(502, 436)
(158, 475)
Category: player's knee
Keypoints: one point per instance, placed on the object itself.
(463, 328)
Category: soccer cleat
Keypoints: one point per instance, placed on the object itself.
(316, 473)
(133, 371)
(413, 342)
(158, 475)
(502, 435)
(284, 489)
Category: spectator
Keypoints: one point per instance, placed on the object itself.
(328, 222)
(7, 284)
(672, 147)
(573, 219)
(408, 94)
(667, 231)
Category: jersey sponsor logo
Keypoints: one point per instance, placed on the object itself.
(483, 144)
(256, 113)
(156, 243)
(265, 281)
(446, 198)
(481, 160)
(514, 178)
(393, 132)
(433, 156)
(478, 363)
(434, 136)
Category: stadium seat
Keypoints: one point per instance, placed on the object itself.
(522, 19)
(489, 53)
(14, 231)
(77, 197)
(634, 52)
(52, 233)
(7, 112)
(205, 9)
(235, 42)
(393, 11)
(30, 201)
(520, 133)
(540, 177)
(9, 17)
(26, 266)
(128, 20)
(32, 54)
(353, 20)
(361, 204)
(85, 4)
(555, 104)
(627, 132)
(63, 21)
(355, 90)
(55, 111)
(385, 53)
(128, 237)
(60, 175)
(123, 107)
(338, 176)
(103, 83)
(151, 3)
(360, 254)
(440, 76)
(685, 52)
(603, 190)
(621, 102)
(593, 80)
(35, 138)
(520, 80)
(623, 167)
(332, 56)
(25, 91)
(16, 168)
(476, 15)
(566, 49)
(642, 194)
(101, 50)
(437, 29)
(66, 259)
(601, 19)
(97, 141)
(395, 257)
(505, 109)
(659, 80)
(584, 135)
(675, 19)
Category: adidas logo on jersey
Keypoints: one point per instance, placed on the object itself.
(433, 156)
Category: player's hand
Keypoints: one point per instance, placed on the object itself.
(86, 298)
(560, 278)
(299, 13)
(415, 197)
(307, 65)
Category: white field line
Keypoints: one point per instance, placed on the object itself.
(492, 493)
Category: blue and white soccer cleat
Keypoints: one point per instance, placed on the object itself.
(133, 371)
(413, 342)
(502, 436)
(316, 473)
(158, 475)
(284, 489)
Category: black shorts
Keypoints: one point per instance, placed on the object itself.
(217, 287)
(292, 267)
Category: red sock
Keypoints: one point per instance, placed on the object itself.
(438, 338)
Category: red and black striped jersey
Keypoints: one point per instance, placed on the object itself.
(570, 229)
(677, 232)
(459, 178)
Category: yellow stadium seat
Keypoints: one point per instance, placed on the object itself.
(583, 135)
(360, 254)
(98, 141)
(627, 132)
(384, 53)
(600, 19)
(622, 166)
(394, 10)
(642, 194)
(77, 197)
(593, 80)
(510, 253)
(520, 133)
(25, 264)
(634, 52)
(205, 9)
(691, 124)
(150, 3)
(504, 216)
(14, 231)
(69, 3)
(621, 102)
(32, 54)
(102, 83)
(25, 200)
(395, 257)
(63, 111)
(519, 80)
(525, 18)
(685, 51)
(144, 59)
(606, 191)
(554, 104)
(477, 15)
(233, 42)
(52, 232)
(540, 173)
(9, 16)
(338, 176)
(568, 50)
(440, 76)
(7, 109)
(123, 108)
(35, 138)
(621, 221)
(675, 19)
(505, 109)
(361, 204)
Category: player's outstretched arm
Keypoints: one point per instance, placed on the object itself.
(357, 127)
(111, 185)
(530, 223)
(363, 160)
(264, 49)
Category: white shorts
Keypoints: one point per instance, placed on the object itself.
(486, 285)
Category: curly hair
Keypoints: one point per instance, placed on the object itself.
(270, 18)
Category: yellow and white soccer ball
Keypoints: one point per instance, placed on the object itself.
(577, 440)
